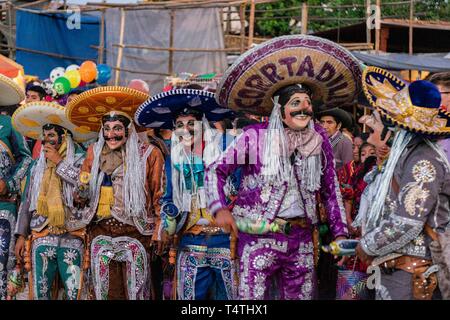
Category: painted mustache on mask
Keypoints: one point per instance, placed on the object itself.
(301, 112)
(49, 142)
(117, 138)
(189, 132)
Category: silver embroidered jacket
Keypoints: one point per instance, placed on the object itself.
(29, 220)
(418, 195)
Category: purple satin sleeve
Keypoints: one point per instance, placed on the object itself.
(329, 191)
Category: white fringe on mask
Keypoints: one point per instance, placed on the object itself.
(36, 174)
(311, 172)
(93, 183)
(443, 157)
(212, 149)
(134, 181)
(179, 157)
(276, 165)
(70, 159)
(401, 140)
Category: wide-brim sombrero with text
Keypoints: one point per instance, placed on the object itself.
(10, 92)
(87, 109)
(414, 107)
(31, 117)
(160, 110)
(330, 71)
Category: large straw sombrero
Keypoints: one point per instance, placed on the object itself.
(88, 108)
(160, 110)
(10, 92)
(330, 71)
(414, 107)
(31, 117)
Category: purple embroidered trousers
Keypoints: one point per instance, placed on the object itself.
(287, 260)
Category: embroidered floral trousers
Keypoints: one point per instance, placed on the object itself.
(7, 258)
(287, 260)
(120, 262)
(204, 268)
(62, 254)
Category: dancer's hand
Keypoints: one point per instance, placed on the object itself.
(163, 244)
(52, 154)
(79, 201)
(20, 248)
(3, 188)
(360, 253)
(225, 220)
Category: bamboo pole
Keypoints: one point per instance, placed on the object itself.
(120, 51)
(171, 36)
(251, 26)
(377, 29)
(132, 46)
(141, 71)
(411, 16)
(228, 24)
(50, 54)
(101, 48)
(242, 16)
(10, 29)
(31, 3)
(304, 18)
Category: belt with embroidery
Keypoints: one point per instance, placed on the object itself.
(56, 230)
(208, 229)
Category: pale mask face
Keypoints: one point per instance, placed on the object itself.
(114, 134)
(188, 129)
(376, 128)
(51, 137)
(298, 111)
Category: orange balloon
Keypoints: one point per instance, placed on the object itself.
(88, 71)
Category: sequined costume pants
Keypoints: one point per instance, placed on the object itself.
(56, 253)
(398, 285)
(204, 268)
(288, 259)
(120, 263)
(7, 258)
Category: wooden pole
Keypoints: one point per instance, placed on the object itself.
(228, 24)
(101, 48)
(120, 51)
(10, 29)
(242, 16)
(377, 30)
(49, 54)
(368, 30)
(132, 46)
(251, 26)
(304, 18)
(172, 25)
(411, 16)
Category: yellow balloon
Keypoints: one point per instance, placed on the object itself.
(74, 78)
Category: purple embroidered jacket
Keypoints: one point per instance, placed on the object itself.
(258, 200)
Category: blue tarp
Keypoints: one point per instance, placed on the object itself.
(50, 33)
(404, 61)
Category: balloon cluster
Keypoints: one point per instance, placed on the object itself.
(64, 80)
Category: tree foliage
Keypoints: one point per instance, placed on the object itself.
(284, 17)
